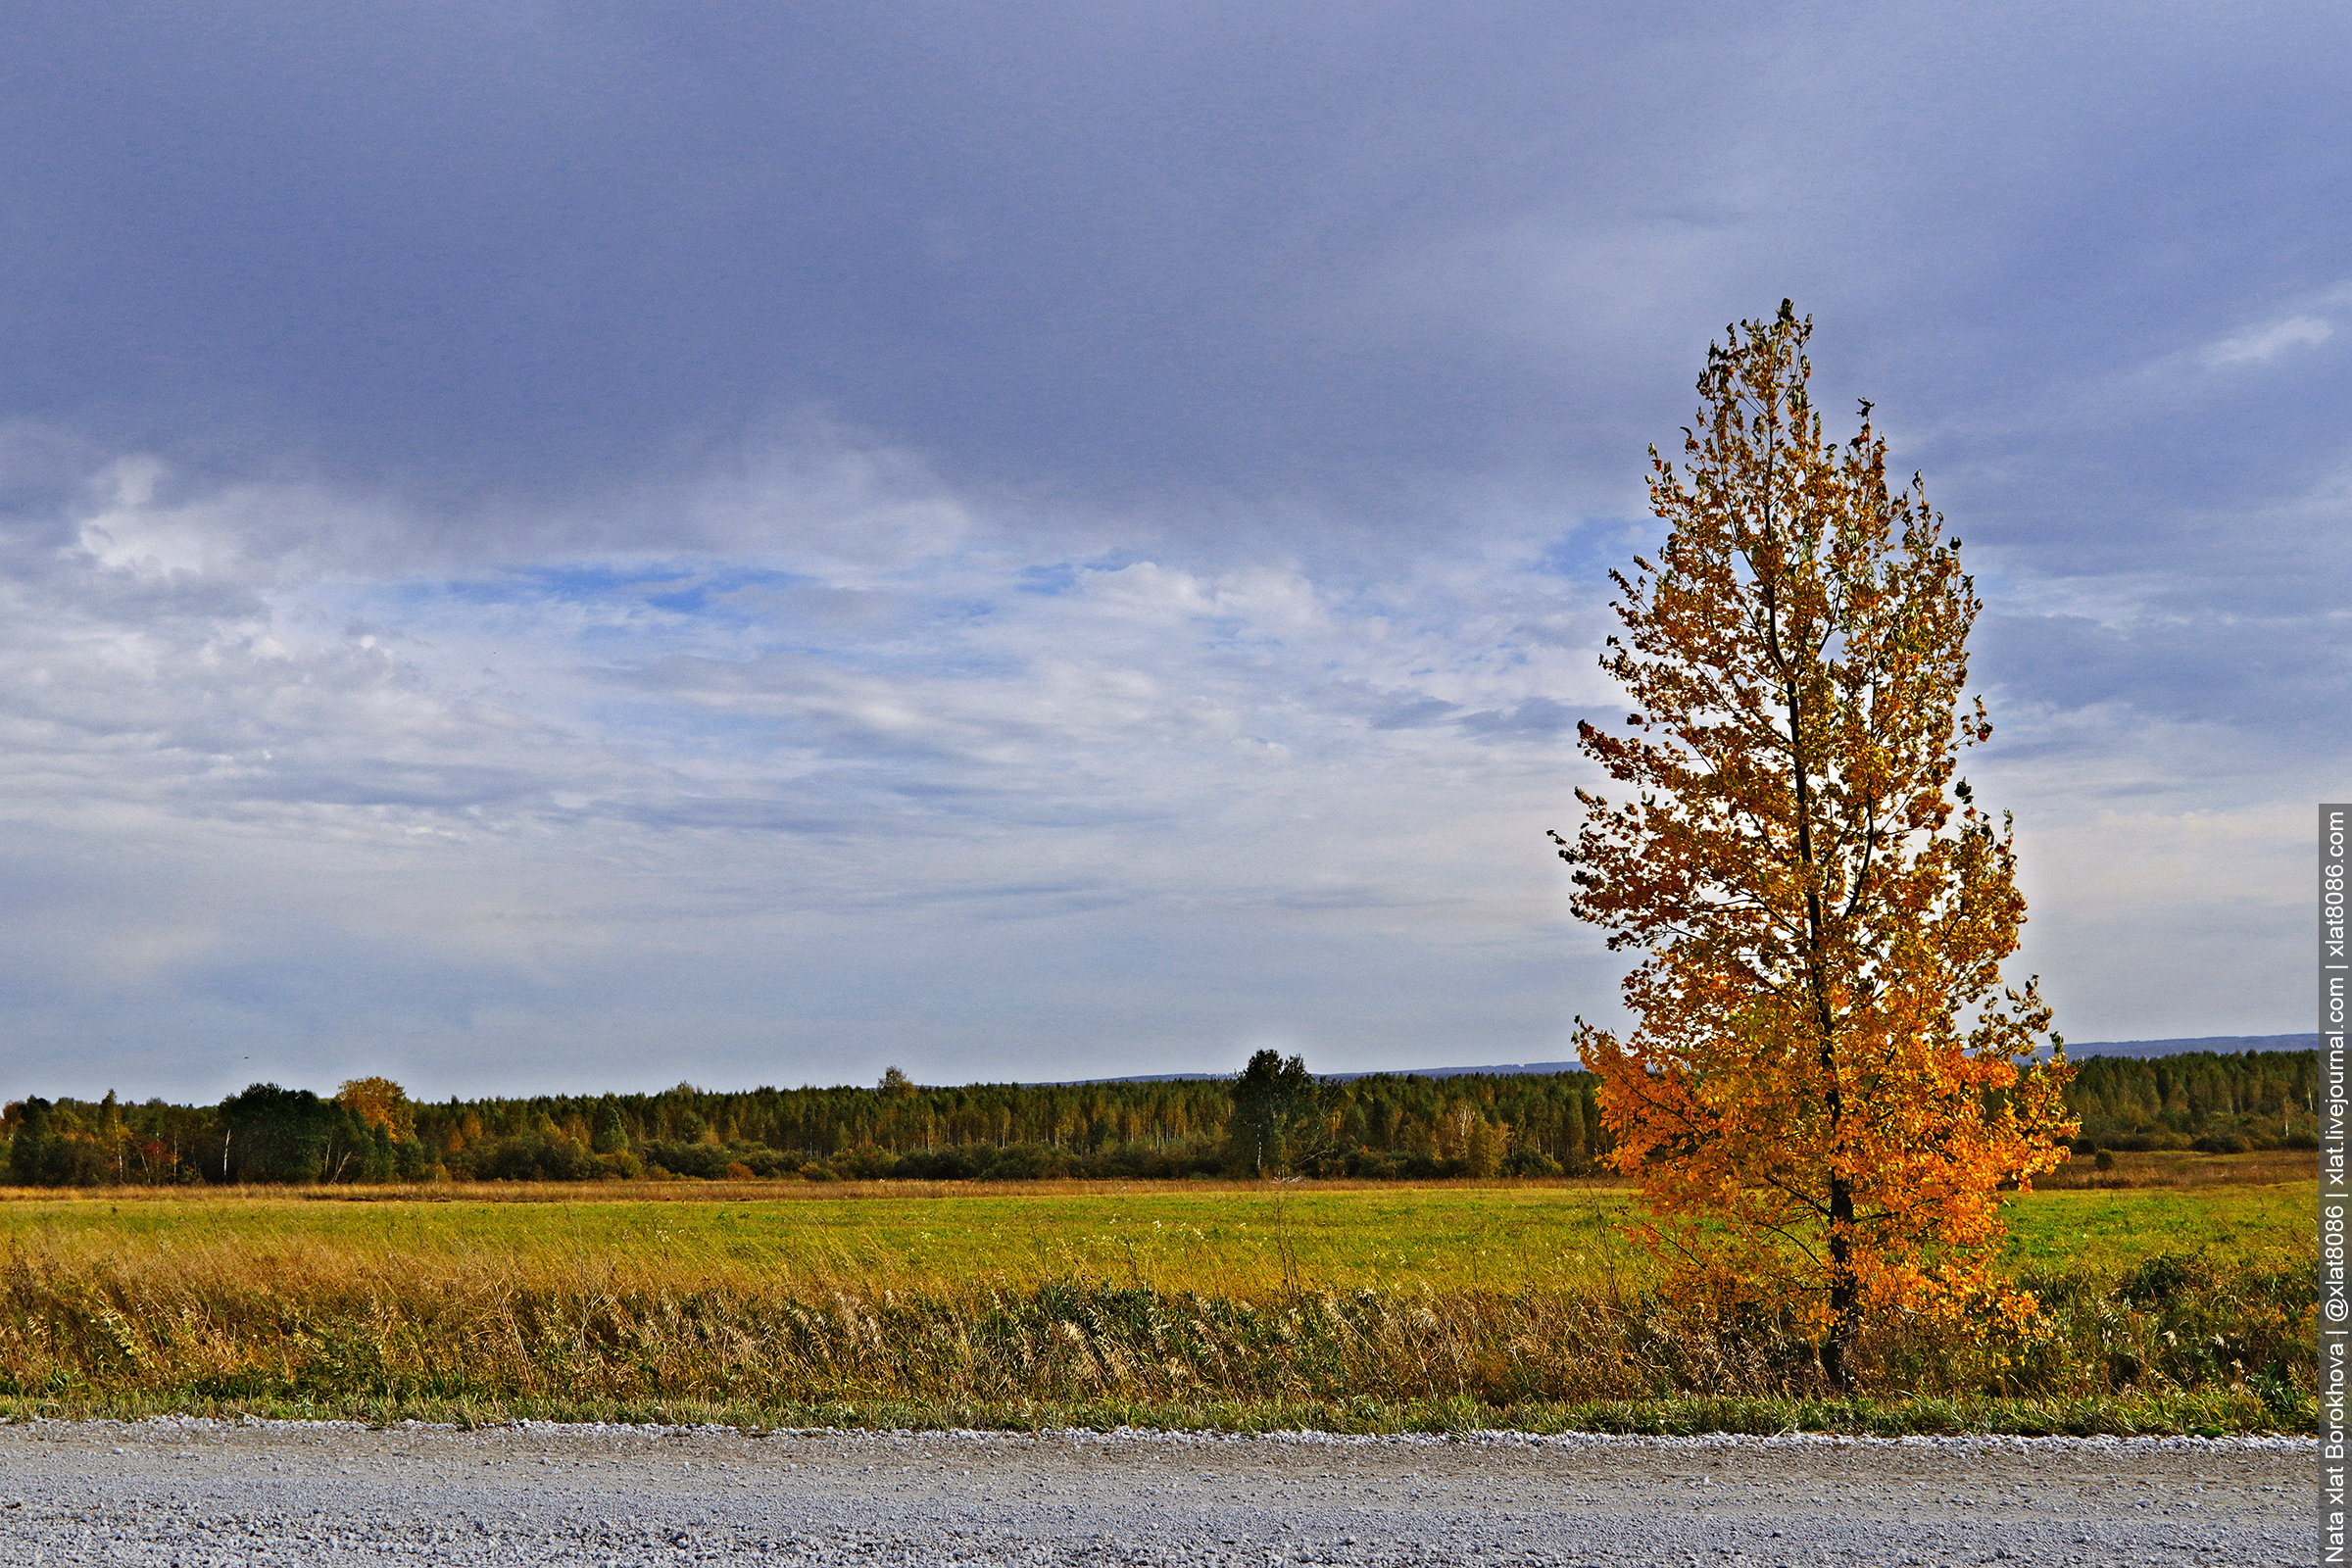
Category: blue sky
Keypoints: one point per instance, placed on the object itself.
(577, 546)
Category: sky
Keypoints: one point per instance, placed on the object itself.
(575, 547)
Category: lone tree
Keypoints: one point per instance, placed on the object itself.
(1277, 1119)
(1829, 1084)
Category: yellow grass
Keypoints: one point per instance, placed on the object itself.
(1139, 1294)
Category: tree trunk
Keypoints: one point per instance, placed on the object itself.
(1846, 1296)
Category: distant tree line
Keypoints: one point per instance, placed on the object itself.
(2212, 1102)
(1274, 1119)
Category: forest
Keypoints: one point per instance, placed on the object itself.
(1274, 1119)
(2218, 1104)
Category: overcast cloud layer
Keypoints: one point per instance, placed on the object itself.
(570, 547)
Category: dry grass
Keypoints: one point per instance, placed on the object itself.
(2182, 1168)
(1365, 1304)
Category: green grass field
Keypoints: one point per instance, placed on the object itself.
(1360, 1306)
(1173, 1237)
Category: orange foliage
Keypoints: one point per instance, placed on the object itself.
(1829, 1084)
(381, 1103)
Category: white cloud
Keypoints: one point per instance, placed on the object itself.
(861, 769)
(1181, 651)
(2264, 344)
(505, 783)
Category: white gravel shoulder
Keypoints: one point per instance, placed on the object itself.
(194, 1493)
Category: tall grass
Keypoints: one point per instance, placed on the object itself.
(89, 1322)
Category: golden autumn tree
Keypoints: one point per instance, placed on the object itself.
(381, 1103)
(1829, 1084)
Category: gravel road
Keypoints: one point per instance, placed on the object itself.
(197, 1492)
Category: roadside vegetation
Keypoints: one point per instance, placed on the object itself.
(1355, 1306)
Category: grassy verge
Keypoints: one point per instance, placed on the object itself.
(2207, 1413)
(2173, 1345)
(1375, 1311)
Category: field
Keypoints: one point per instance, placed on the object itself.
(1243, 1239)
(2181, 1303)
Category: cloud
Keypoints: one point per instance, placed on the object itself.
(1414, 714)
(476, 791)
(2267, 343)
(1537, 715)
(1071, 540)
(493, 786)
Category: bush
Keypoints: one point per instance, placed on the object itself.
(2164, 1279)
(939, 1165)
(1028, 1163)
(530, 1158)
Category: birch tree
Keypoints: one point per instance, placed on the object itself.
(1828, 1083)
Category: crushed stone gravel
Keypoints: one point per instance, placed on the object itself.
(196, 1492)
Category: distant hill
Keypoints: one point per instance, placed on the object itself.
(2084, 1050)
(1497, 1069)
(1350, 1077)
(2075, 1051)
